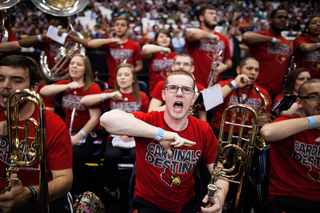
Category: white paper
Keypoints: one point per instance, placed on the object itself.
(212, 97)
(53, 34)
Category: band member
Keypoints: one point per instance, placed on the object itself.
(182, 61)
(204, 44)
(159, 57)
(83, 122)
(306, 48)
(126, 97)
(166, 153)
(295, 79)
(294, 153)
(241, 90)
(12, 44)
(272, 51)
(119, 49)
(50, 47)
(18, 72)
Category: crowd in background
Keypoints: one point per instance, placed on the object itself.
(26, 19)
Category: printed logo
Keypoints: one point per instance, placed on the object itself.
(169, 178)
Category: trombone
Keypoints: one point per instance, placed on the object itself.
(16, 161)
(238, 172)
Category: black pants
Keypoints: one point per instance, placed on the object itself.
(81, 154)
(140, 205)
(290, 205)
(60, 205)
(112, 157)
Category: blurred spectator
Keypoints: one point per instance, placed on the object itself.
(132, 36)
(178, 42)
(265, 26)
(152, 33)
(233, 41)
(257, 26)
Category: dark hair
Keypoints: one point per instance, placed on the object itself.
(166, 32)
(307, 24)
(183, 54)
(289, 86)
(19, 61)
(302, 89)
(202, 10)
(63, 20)
(244, 60)
(179, 72)
(135, 85)
(274, 12)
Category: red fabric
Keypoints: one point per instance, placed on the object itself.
(128, 103)
(159, 67)
(309, 60)
(254, 100)
(12, 36)
(58, 146)
(295, 165)
(155, 170)
(131, 51)
(273, 62)
(203, 52)
(48, 101)
(51, 49)
(72, 99)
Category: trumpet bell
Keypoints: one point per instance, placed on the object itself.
(63, 8)
(259, 143)
(6, 4)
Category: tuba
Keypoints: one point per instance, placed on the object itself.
(62, 8)
(238, 172)
(15, 157)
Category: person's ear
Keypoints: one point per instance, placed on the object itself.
(238, 70)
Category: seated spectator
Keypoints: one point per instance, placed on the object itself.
(178, 42)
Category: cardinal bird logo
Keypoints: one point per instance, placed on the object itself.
(169, 178)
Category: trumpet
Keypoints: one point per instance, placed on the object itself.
(238, 172)
(15, 160)
(211, 78)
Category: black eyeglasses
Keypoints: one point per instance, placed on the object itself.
(175, 88)
(185, 64)
(311, 97)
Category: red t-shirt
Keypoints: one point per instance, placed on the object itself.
(117, 54)
(51, 49)
(72, 99)
(248, 96)
(309, 60)
(204, 53)
(48, 101)
(273, 62)
(155, 171)
(295, 165)
(128, 103)
(159, 66)
(58, 148)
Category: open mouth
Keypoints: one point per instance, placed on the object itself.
(178, 106)
(4, 97)
(74, 71)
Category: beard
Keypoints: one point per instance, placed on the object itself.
(208, 25)
(276, 29)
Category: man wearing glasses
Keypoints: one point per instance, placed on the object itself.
(168, 146)
(182, 61)
(295, 155)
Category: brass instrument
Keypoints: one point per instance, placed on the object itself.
(238, 172)
(192, 108)
(62, 8)
(15, 160)
(291, 67)
(211, 78)
(260, 142)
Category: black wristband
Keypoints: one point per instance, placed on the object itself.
(231, 86)
(33, 195)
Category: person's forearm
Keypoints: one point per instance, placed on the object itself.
(53, 90)
(97, 43)
(91, 124)
(30, 41)
(154, 103)
(202, 115)
(307, 47)
(139, 66)
(113, 122)
(226, 90)
(151, 48)
(294, 107)
(84, 42)
(251, 38)
(91, 100)
(11, 46)
(194, 34)
(279, 130)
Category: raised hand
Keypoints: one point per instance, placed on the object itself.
(173, 139)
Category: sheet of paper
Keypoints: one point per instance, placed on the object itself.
(53, 34)
(212, 97)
